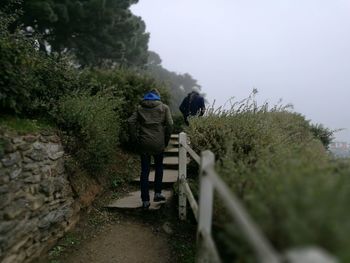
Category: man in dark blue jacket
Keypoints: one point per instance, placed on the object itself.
(192, 105)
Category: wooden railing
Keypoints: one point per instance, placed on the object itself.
(210, 181)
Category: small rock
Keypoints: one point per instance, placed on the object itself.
(9, 147)
(44, 139)
(47, 187)
(37, 155)
(12, 212)
(4, 189)
(5, 199)
(20, 244)
(167, 229)
(4, 179)
(32, 179)
(3, 172)
(36, 202)
(56, 156)
(17, 140)
(32, 249)
(11, 159)
(59, 166)
(24, 146)
(27, 160)
(46, 133)
(33, 189)
(46, 171)
(38, 146)
(51, 218)
(30, 138)
(55, 139)
(14, 174)
(30, 167)
(20, 194)
(10, 259)
(6, 226)
(60, 183)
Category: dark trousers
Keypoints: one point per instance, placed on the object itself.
(186, 120)
(145, 169)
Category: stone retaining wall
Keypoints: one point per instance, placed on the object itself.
(36, 199)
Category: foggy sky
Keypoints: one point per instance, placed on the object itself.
(297, 50)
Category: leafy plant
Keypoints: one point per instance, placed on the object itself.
(93, 125)
(127, 85)
(272, 160)
(30, 82)
(23, 125)
(325, 135)
(56, 251)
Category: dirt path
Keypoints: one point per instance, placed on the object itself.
(109, 235)
(124, 242)
(114, 236)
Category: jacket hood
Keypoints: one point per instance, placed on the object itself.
(151, 96)
(150, 103)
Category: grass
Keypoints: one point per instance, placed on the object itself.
(56, 251)
(277, 165)
(69, 241)
(13, 123)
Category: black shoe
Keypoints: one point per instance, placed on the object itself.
(158, 197)
(145, 204)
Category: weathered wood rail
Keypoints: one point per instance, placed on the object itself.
(203, 212)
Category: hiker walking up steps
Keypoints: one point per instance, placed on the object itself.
(192, 105)
(150, 128)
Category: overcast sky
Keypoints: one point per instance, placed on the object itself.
(297, 50)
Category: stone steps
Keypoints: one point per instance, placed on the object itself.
(133, 201)
(174, 136)
(170, 162)
(173, 143)
(171, 151)
(170, 175)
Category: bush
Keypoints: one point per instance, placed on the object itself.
(93, 123)
(273, 162)
(127, 85)
(30, 82)
(179, 123)
(322, 133)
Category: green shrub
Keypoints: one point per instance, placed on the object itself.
(325, 135)
(16, 80)
(93, 126)
(272, 160)
(24, 125)
(179, 123)
(30, 82)
(127, 85)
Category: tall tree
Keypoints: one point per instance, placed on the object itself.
(96, 32)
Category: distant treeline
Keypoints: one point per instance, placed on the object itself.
(83, 67)
(94, 34)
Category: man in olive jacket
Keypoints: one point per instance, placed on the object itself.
(150, 127)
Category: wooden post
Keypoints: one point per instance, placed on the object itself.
(182, 175)
(206, 250)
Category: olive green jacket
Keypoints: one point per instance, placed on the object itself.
(151, 126)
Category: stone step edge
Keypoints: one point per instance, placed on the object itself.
(169, 177)
(133, 201)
